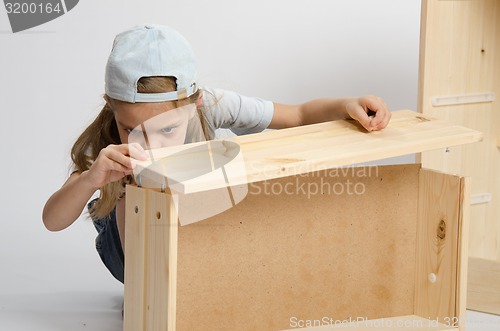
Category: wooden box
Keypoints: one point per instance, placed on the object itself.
(316, 242)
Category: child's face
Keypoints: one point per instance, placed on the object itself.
(152, 125)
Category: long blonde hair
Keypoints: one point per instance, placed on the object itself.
(103, 131)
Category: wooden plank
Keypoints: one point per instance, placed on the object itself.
(410, 323)
(440, 255)
(150, 261)
(299, 150)
(303, 245)
(484, 286)
(161, 257)
(135, 257)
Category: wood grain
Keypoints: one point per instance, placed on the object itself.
(300, 150)
(441, 225)
(460, 54)
(135, 257)
(150, 261)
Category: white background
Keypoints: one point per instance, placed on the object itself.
(51, 87)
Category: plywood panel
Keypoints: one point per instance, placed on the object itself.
(306, 249)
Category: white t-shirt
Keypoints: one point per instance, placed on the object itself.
(229, 110)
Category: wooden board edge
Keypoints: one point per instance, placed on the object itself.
(172, 263)
(135, 259)
(463, 249)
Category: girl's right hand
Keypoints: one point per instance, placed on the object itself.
(114, 162)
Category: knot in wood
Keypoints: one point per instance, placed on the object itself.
(441, 230)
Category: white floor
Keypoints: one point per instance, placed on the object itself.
(63, 311)
(477, 321)
(101, 311)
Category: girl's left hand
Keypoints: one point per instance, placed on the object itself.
(370, 111)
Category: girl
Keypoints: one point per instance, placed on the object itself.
(152, 100)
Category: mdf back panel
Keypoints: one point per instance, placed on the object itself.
(338, 243)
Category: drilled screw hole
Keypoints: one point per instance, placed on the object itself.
(136, 209)
(158, 215)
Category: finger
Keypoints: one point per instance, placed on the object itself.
(359, 114)
(117, 152)
(382, 117)
(379, 118)
(137, 152)
(116, 155)
(115, 166)
(112, 149)
(385, 121)
(378, 107)
(109, 166)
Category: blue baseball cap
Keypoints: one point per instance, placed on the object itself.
(146, 51)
